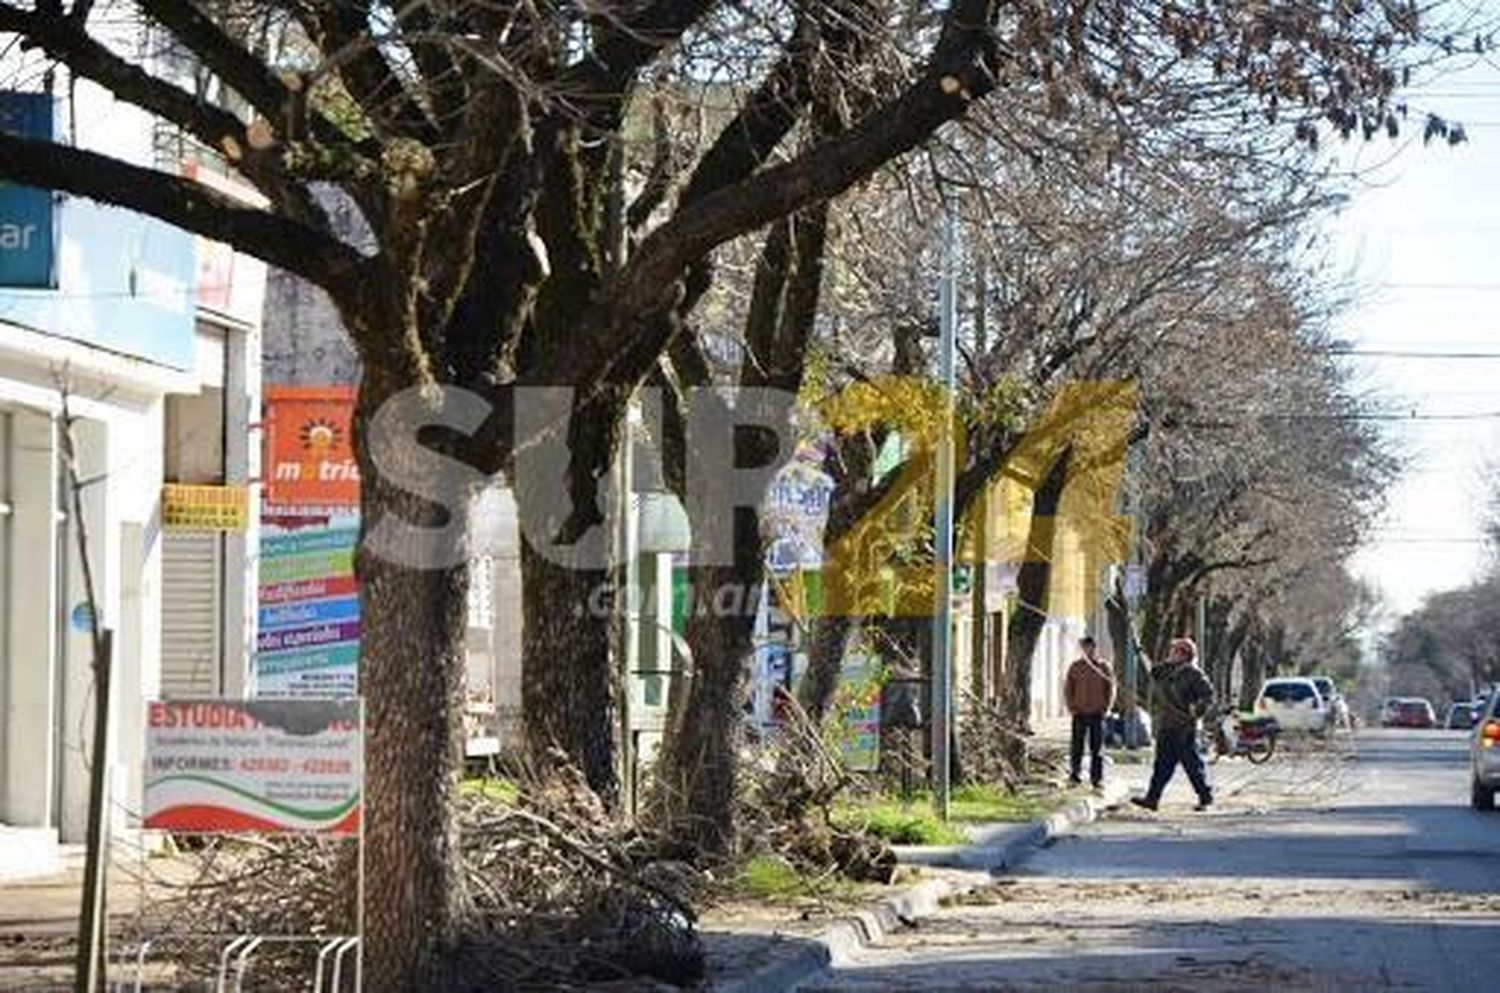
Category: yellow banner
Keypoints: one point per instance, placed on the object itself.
(203, 508)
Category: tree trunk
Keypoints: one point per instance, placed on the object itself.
(700, 771)
(413, 600)
(567, 685)
(825, 660)
(905, 644)
(728, 570)
(1232, 645)
(1117, 619)
(1253, 673)
(567, 680)
(1033, 586)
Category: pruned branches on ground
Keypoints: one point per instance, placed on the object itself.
(561, 897)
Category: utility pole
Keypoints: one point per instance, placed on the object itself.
(979, 645)
(1130, 597)
(89, 961)
(942, 635)
(627, 607)
(626, 602)
(1200, 628)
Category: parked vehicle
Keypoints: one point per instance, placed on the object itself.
(1338, 707)
(1114, 730)
(1295, 703)
(1409, 712)
(1485, 754)
(1243, 734)
(1463, 715)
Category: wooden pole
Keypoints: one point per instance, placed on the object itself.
(89, 970)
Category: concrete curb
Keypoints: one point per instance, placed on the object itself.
(996, 848)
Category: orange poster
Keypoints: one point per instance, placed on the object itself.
(309, 457)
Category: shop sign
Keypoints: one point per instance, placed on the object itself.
(27, 232)
(309, 458)
(308, 623)
(203, 508)
(252, 766)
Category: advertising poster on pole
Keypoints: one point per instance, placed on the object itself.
(308, 625)
(241, 766)
(858, 709)
(309, 458)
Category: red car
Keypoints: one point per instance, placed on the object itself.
(1408, 712)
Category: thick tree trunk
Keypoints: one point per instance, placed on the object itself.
(1033, 586)
(728, 567)
(568, 683)
(700, 770)
(413, 601)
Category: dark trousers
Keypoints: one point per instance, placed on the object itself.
(1174, 747)
(1089, 726)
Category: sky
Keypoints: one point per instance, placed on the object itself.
(1419, 243)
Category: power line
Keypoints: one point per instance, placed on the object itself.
(1475, 415)
(1426, 541)
(1402, 353)
(1472, 287)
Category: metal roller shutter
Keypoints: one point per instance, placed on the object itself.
(190, 614)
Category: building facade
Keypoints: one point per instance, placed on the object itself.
(129, 380)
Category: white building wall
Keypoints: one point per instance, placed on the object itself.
(46, 680)
(27, 786)
(118, 438)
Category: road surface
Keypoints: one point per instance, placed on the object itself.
(1356, 868)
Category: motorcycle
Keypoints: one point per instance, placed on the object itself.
(1244, 734)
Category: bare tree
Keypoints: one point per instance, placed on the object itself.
(482, 144)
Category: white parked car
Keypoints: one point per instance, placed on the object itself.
(1295, 703)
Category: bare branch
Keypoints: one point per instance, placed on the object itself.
(295, 247)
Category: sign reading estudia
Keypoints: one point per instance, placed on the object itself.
(248, 766)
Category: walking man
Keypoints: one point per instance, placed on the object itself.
(1089, 692)
(1180, 696)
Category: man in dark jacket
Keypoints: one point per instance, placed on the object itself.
(1180, 696)
(1089, 692)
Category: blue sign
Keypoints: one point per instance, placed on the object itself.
(26, 225)
(124, 283)
(309, 612)
(81, 618)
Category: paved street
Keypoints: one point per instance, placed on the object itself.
(1356, 868)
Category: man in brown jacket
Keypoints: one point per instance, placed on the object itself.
(1089, 692)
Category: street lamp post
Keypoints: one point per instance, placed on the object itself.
(942, 635)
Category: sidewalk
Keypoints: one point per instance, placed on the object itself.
(39, 925)
(780, 957)
(38, 917)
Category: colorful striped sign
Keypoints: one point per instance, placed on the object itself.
(308, 640)
(307, 612)
(309, 589)
(306, 565)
